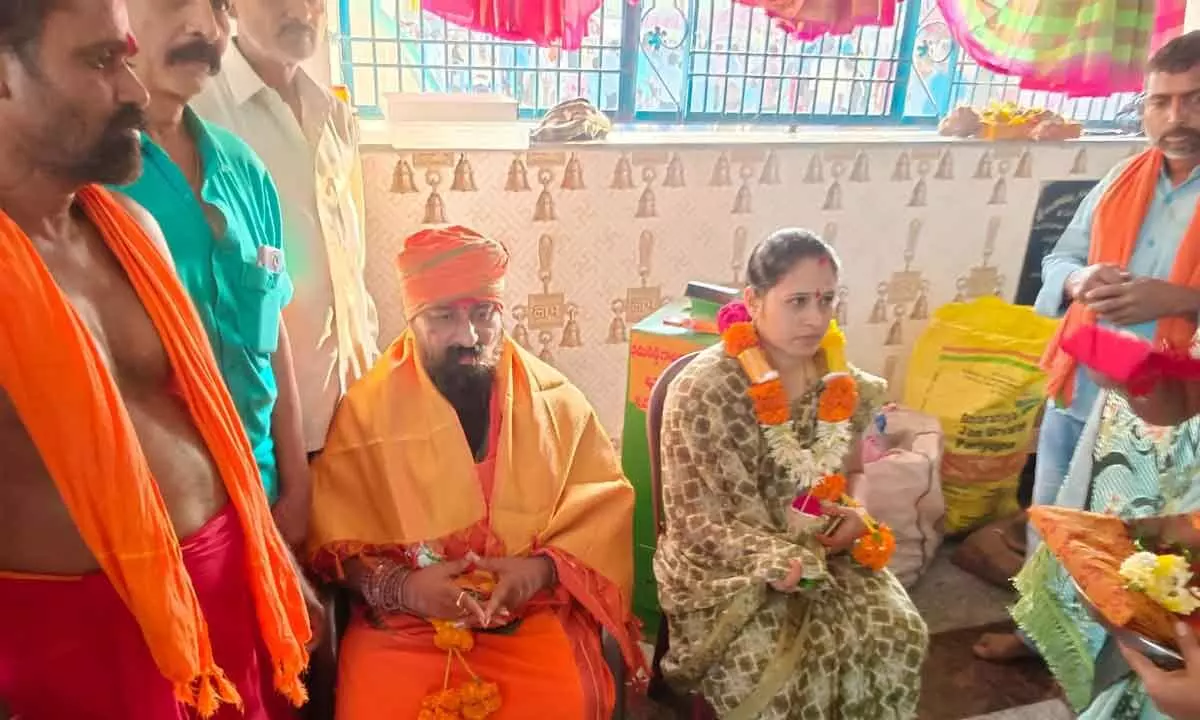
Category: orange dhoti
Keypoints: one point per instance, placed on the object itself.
(546, 668)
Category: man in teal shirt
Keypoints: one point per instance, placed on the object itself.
(220, 215)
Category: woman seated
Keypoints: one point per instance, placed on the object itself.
(771, 577)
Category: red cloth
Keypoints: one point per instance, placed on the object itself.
(71, 650)
(1128, 359)
(558, 23)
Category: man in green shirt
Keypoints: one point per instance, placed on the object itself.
(220, 214)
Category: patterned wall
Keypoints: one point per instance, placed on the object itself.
(602, 235)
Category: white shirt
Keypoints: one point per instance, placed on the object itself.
(331, 320)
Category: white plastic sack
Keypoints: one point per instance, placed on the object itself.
(903, 488)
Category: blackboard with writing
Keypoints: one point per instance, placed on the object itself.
(1056, 205)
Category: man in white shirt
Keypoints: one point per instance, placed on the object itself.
(309, 141)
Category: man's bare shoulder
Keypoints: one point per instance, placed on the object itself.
(148, 223)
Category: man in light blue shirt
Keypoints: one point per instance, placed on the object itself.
(220, 215)
(1132, 298)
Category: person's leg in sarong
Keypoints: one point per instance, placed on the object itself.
(69, 648)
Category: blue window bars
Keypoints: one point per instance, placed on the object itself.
(689, 61)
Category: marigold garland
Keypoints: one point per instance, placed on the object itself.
(477, 699)
(738, 338)
(873, 549)
(771, 405)
(838, 400)
(836, 405)
(832, 488)
(450, 636)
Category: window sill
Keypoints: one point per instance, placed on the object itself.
(377, 135)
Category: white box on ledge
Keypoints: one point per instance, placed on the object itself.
(448, 121)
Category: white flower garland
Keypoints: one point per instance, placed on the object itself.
(808, 466)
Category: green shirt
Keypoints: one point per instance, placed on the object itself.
(228, 252)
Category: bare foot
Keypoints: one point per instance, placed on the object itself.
(1001, 647)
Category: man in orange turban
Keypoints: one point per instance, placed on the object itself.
(469, 495)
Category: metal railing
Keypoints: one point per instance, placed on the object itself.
(689, 61)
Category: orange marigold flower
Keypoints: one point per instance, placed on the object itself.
(771, 405)
(448, 635)
(479, 581)
(874, 548)
(838, 400)
(480, 699)
(448, 700)
(739, 337)
(831, 488)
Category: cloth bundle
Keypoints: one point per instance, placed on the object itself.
(1128, 359)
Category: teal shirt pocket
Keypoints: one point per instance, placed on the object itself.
(263, 295)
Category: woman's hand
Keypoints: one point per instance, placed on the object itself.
(1175, 694)
(791, 580)
(851, 527)
(431, 593)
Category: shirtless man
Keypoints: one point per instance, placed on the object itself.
(129, 502)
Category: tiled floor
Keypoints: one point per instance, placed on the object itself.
(1050, 710)
(950, 598)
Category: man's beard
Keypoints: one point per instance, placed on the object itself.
(468, 389)
(1180, 144)
(115, 158)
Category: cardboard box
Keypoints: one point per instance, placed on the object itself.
(654, 344)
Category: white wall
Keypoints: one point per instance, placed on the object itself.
(1191, 20)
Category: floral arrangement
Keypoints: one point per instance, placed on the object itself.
(477, 699)
(816, 470)
(1164, 578)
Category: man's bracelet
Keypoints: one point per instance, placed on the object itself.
(383, 590)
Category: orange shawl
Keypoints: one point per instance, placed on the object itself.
(70, 405)
(1115, 228)
(396, 470)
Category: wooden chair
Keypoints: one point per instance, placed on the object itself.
(691, 706)
(322, 666)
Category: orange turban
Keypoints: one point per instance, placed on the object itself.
(445, 265)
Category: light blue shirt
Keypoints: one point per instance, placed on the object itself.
(1163, 227)
(228, 251)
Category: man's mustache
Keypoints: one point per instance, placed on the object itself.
(464, 352)
(1182, 134)
(198, 50)
(127, 117)
(297, 27)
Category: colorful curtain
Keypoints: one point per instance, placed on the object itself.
(809, 19)
(558, 23)
(1078, 47)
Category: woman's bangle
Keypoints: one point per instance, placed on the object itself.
(383, 590)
